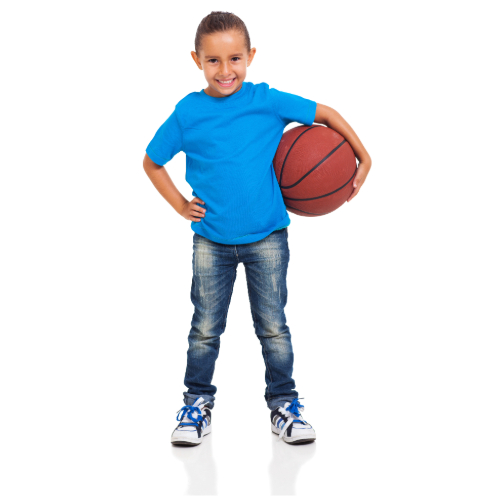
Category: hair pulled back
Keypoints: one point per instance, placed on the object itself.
(217, 22)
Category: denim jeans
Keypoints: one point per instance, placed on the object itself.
(214, 274)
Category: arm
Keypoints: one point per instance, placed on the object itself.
(332, 119)
(165, 186)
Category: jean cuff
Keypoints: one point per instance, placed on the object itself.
(189, 399)
(273, 403)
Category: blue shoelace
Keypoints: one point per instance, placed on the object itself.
(294, 409)
(189, 410)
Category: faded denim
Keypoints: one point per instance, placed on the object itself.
(214, 273)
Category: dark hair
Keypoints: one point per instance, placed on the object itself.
(217, 22)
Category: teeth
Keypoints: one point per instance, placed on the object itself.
(227, 81)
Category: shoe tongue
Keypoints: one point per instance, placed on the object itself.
(198, 402)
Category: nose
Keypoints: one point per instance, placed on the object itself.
(225, 67)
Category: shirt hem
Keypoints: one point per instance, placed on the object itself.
(156, 159)
(248, 238)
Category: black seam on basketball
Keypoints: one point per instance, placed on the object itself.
(315, 167)
(323, 195)
(291, 147)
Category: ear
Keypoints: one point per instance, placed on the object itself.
(196, 59)
(251, 56)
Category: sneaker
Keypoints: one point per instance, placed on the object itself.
(195, 422)
(288, 423)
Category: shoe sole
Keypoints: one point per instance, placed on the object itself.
(298, 440)
(191, 442)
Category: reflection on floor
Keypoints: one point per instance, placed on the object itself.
(287, 459)
(284, 468)
(200, 467)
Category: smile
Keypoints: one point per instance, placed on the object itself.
(226, 83)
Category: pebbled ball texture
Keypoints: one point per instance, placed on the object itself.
(315, 168)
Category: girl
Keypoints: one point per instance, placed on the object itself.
(230, 132)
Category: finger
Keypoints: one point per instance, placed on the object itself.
(198, 211)
(197, 207)
(201, 201)
(357, 182)
(353, 194)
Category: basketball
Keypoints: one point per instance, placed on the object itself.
(315, 168)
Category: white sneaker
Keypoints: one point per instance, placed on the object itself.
(195, 422)
(288, 423)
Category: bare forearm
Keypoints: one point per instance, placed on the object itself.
(164, 184)
(332, 118)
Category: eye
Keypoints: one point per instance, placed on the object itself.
(210, 60)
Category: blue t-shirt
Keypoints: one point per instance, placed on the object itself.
(230, 143)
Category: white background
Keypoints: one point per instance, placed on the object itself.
(393, 298)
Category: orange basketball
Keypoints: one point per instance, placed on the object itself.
(315, 167)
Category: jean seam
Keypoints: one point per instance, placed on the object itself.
(228, 302)
(264, 349)
(267, 363)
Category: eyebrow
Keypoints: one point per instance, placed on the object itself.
(215, 57)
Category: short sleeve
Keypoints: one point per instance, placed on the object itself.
(167, 141)
(293, 108)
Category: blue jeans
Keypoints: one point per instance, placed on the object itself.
(214, 274)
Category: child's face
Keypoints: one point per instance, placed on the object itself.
(223, 57)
